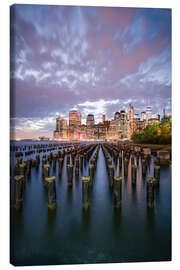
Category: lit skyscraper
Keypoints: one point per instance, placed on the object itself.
(90, 120)
(74, 125)
(61, 129)
(117, 115)
(103, 117)
(143, 116)
(90, 126)
(131, 120)
(148, 113)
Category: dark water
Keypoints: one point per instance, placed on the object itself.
(103, 234)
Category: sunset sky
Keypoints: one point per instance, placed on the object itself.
(91, 59)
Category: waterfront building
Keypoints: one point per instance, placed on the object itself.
(117, 115)
(151, 121)
(103, 117)
(148, 113)
(61, 129)
(143, 116)
(90, 127)
(114, 130)
(123, 124)
(83, 133)
(131, 120)
(99, 132)
(74, 125)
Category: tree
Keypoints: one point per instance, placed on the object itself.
(155, 133)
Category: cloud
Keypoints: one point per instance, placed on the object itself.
(65, 57)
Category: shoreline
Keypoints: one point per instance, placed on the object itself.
(155, 147)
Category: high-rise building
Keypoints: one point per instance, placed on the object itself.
(90, 120)
(99, 132)
(117, 115)
(148, 113)
(143, 116)
(103, 117)
(131, 120)
(123, 124)
(61, 129)
(74, 125)
(90, 127)
(114, 130)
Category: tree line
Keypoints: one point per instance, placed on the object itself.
(157, 133)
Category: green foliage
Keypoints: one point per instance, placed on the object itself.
(156, 134)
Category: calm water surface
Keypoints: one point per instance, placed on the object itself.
(70, 235)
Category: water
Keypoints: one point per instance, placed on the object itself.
(103, 234)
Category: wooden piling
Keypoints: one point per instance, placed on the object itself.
(51, 192)
(117, 190)
(18, 191)
(150, 191)
(85, 191)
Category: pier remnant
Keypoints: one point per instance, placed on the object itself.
(70, 174)
(51, 192)
(18, 191)
(150, 191)
(117, 190)
(85, 191)
(133, 174)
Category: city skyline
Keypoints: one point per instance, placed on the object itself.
(89, 59)
(122, 126)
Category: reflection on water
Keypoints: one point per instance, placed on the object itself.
(102, 233)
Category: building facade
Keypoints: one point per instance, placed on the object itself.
(61, 132)
(74, 125)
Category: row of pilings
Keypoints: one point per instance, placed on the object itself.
(27, 150)
(118, 158)
(77, 158)
(88, 181)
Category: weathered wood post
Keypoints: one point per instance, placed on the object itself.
(111, 175)
(51, 192)
(19, 161)
(21, 169)
(150, 191)
(117, 190)
(144, 167)
(60, 162)
(68, 159)
(133, 174)
(28, 167)
(91, 174)
(157, 173)
(54, 162)
(18, 191)
(81, 162)
(46, 170)
(85, 191)
(70, 174)
(126, 167)
(37, 161)
(77, 166)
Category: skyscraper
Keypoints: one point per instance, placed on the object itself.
(148, 113)
(90, 127)
(61, 129)
(90, 120)
(131, 120)
(117, 115)
(74, 125)
(123, 123)
(143, 116)
(103, 117)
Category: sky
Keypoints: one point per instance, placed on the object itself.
(90, 59)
